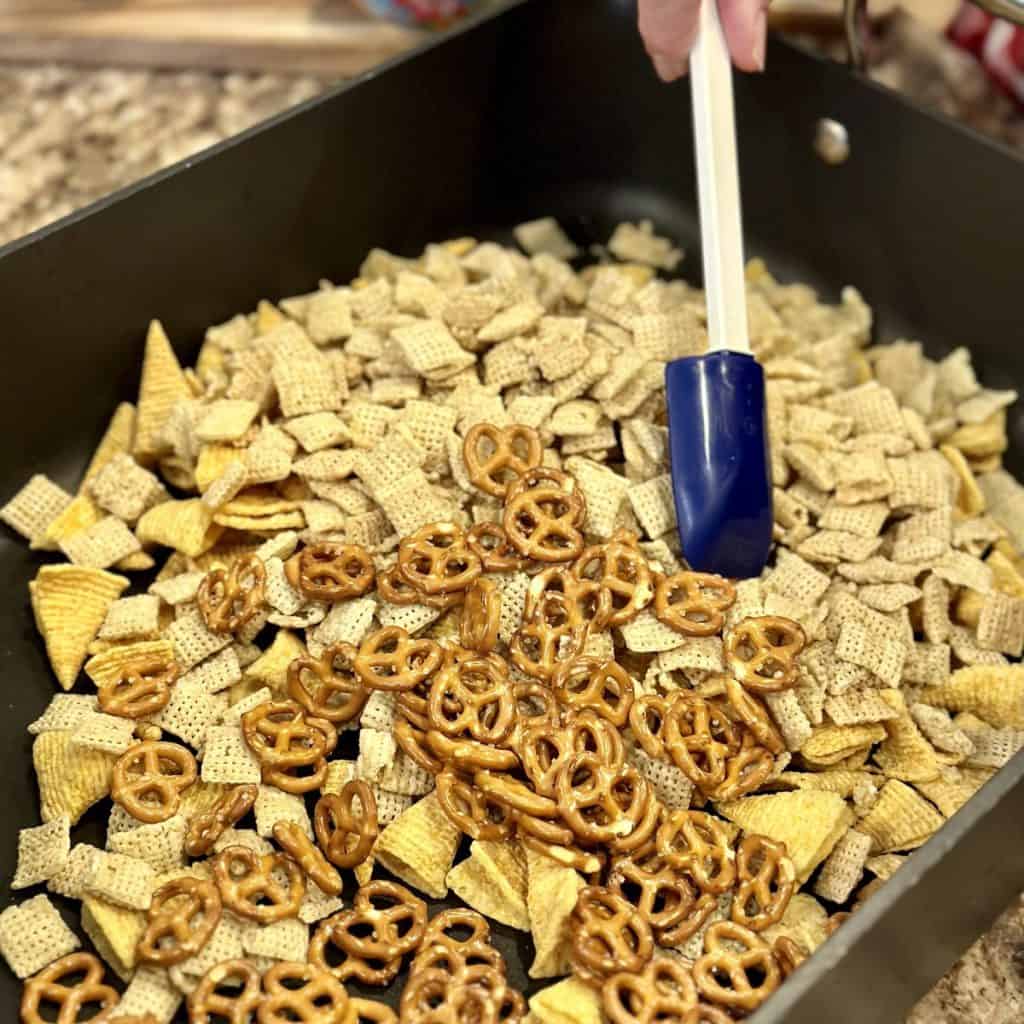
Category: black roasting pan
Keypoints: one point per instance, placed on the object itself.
(541, 108)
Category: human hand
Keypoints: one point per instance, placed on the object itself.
(669, 29)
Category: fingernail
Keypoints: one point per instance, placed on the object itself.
(669, 68)
(760, 38)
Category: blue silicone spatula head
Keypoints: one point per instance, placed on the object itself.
(717, 438)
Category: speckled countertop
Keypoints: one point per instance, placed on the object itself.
(70, 136)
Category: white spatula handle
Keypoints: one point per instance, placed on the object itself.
(714, 126)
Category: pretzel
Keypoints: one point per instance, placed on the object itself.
(746, 770)
(413, 742)
(394, 588)
(329, 571)
(411, 705)
(663, 991)
(698, 845)
(596, 683)
(543, 749)
(767, 881)
(586, 603)
(370, 1010)
(588, 863)
(180, 921)
(142, 688)
(228, 992)
(723, 974)
(328, 687)
(149, 778)
(436, 559)
(302, 992)
(705, 1013)
(472, 699)
(228, 599)
(660, 893)
(294, 841)
(604, 803)
(454, 958)
(754, 715)
(206, 827)
(693, 603)
(492, 473)
(481, 616)
(441, 927)
(326, 954)
(699, 738)
(432, 997)
(596, 735)
(539, 646)
(489, 542)
(647, 723)
(47, 989)
(248, 886)
(620, 569)
(469, 755)
(835, 920)
(345, 835)
(543, 513)
(390, 660)
(761, 653)
(476, 814)
(789, 955)
(608, 936)
(291, 746)
(508, 790)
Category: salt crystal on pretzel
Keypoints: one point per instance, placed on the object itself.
(419, 846)
(900, 820)
(552, 890)
(114, 931)
(64, 712)
(227, 757)
(35, 507)
(492, 880)
(71, 779)
(42, 852)
(32, 935)
(109, 733)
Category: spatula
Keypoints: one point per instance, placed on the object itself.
(716, 402)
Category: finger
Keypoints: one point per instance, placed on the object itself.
(745, 23)
(668, 29)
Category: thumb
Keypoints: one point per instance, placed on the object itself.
(745, 23)
(668, 29)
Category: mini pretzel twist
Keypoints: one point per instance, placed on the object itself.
(693, 603)
(180, 921)
(511, 792)
(302, 992)
(620, 569)
(468, 755)
(390, 660)
(595, 735)
(441, 926)
(767, 881)
(371, 1011)
(747, 709)
(474, 813)
(228, 599)
(291, 745)
(48, 988)
(481, 616)
(413, 742)
(739, 979)
(489, 542)
(328, 687)
(543, 749)
(544, 511)
(149, 778)
(205, 828)
(432, 997)
(608, 936)
(472, 699)
(516, 449)
(386, 921)
(699, 738)
(660, 893)
(746, 770)
(436, 559)
(663, 991)
(142, 688)
(248, 886)
(647, 719)
(597, 683)
(548, 640)
(346, 835)
(585, 602)
(761, 653)
(294, 841)
(789, 955)
(329, 571)
(588, 863)
(326, 953)
(229, 991)
(698, 845)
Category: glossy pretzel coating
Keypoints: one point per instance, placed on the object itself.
(329, 571)
(789, 955)
(663, 992)
(620, 569)
(347, 834)
(767, 881)
(474, 813)
(386, 920)
(514, 450)
(481, 616)
(228, 599)
(543, 748)
(660, 893)
(698, 845)
(608, 936)
(723, 974)
(746, 708)
(647, 719)
(294, 841)
(149, 778)
(433, 997)
(699, 738)
(511, 792)
(586, 862)
(746, 770)
(544, 511)
(205, 828)
(262, 887)
(228, 992)
(328, 687)
(540, 646)
(291, 745)
(489, 542)
(472, 699)
(761, 653)
(302, 992)
(370, 1011)
(390, 660)
(468, 755)
(47, 988)
(444, 927)
(413, 742)
(582, 602)
(693, 603)
(142, 688)
(326, 953)
(436, 559)
(601, 685)
(180, 921)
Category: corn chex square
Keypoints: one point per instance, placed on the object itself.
(192, 641)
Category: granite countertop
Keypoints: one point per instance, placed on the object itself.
(70, 136)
